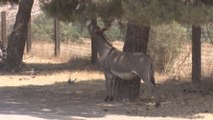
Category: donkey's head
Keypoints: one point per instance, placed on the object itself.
(95, 29)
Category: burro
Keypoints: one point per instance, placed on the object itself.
(125, 65)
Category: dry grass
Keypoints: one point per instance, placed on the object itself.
(183, 64)
(69, 50)
(73, 63)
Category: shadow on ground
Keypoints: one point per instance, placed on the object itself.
(84, 99)
(73, 64)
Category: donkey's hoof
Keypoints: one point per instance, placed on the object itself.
(157, 105)
(106, 99)
(110, 99)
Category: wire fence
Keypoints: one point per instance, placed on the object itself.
(8, 18)
(11, 11)
(183, 64)
(171, 48)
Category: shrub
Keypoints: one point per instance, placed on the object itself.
(42, 29)
(115, 33)
(165, 44)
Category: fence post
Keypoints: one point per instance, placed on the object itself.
(3, 28)
(196, 54)
(57, 36)
(29, 41)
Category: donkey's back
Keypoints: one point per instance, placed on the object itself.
(128, 65)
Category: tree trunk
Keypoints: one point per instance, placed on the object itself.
(4, 28)
(17, 39)
(29, 38)
(196, 54)
(136, 41)
(56, 37)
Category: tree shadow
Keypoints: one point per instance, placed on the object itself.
(74, 64)
(84, 99)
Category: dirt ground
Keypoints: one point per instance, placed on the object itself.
(74, 90)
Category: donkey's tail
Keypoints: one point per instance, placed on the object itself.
(152, 74)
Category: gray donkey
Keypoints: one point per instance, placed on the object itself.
(125, 65)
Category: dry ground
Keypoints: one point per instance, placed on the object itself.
(48, 95)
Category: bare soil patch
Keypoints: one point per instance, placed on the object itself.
(49, 96)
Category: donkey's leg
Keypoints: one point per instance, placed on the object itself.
(111, 87)
(153, 88)
(157, 97)
(148, 79)
(152, 78)
(108, 77)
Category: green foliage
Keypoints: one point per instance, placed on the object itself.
(143, 12)
(72, 32)
(194, 14)
(42, 29)
(108, 10)
(207, 34)
(115, 33)
(82, 10)
(68, 33)
(65, 10)
(156, 12)
(152, 12)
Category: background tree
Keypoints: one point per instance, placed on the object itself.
(18, 36)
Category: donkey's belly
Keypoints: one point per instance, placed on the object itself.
(124, 75)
